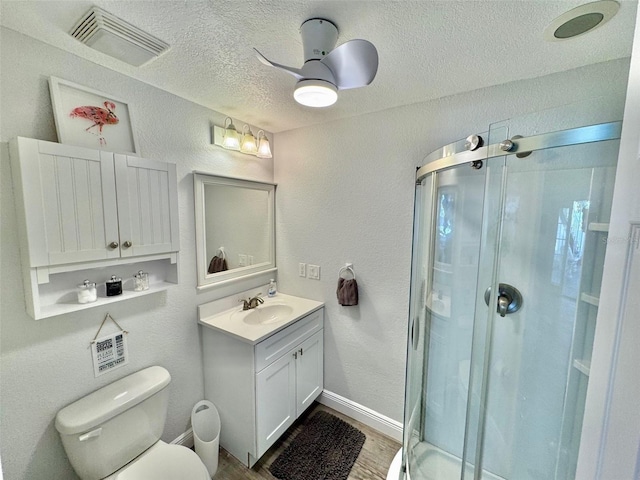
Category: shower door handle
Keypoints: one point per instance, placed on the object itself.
(509, 299)
(503, 305)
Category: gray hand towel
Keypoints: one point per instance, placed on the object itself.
(217, 264)
(347, 292)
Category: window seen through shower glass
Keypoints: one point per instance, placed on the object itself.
(569, 247)
(446, 218)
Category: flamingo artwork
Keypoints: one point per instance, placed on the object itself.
(99, 116)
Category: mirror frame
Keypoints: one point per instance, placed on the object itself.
(210, 280)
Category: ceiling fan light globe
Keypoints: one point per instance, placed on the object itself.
(315, 93)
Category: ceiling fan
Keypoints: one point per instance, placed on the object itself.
(327, 69)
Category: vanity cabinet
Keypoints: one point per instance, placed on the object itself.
(79, 209)
(261, 389)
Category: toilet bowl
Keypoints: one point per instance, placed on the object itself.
(114, 432)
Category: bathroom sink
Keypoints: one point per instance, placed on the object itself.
(266, 314)
(256, 324)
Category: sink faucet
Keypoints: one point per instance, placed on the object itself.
(252, 302)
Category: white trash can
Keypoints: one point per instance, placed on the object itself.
(205, 422)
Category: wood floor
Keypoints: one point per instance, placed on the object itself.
(372, 463)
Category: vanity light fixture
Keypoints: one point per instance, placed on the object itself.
(264, 150)
(248, 144)
(230, 140)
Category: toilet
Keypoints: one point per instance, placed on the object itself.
(114, 433)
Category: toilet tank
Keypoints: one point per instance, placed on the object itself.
(108, 428)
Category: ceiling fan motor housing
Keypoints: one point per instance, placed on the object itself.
(319, 37)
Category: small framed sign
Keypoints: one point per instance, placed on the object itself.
(89, 118)
(109, 352)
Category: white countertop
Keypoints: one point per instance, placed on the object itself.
(231, 321)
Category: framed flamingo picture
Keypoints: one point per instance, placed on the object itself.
(89, 118)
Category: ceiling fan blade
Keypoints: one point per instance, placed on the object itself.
(296, 72)
(354, 64)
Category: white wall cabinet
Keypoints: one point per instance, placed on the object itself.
(260, 390)
(80, 209)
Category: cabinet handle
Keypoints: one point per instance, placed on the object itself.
(113, 245)
(301, 352)
(127, 244)
(295, 355)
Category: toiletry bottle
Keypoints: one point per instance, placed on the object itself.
(114, 286)
(271, 292)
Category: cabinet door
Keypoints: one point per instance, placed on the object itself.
(147, 206)
(275, 401)
(309, 371)
(69, 201)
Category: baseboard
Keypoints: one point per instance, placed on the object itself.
(186, 439)
(375, 420)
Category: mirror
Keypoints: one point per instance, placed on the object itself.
(234, 228)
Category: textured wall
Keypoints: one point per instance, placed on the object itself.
(47, 364)
(345, 194)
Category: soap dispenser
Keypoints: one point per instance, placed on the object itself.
(271, 292)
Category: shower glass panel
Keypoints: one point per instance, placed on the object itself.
(502, 397)
(445, 269)
(537, 360)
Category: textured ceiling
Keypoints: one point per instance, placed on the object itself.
(427, 49)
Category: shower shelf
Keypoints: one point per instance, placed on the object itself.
(590, 299)
(598, 227)
(584, 366)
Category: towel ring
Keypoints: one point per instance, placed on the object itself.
(347, 268)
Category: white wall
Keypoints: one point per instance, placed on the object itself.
(46, 364)
(345, 194)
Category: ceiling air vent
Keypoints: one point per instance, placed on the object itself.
(113, 36)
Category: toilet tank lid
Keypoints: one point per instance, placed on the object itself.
(111, 400)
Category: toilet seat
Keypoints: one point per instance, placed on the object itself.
(164, 462)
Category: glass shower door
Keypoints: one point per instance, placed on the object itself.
(547, 248)
(444, 276)
(506, 271)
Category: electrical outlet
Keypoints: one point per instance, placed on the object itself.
(314, 272)
(242, 260)
(302, 269)
(250, 259)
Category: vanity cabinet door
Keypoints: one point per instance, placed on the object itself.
(275, 400)
(68, 199)
(309, 371)
(147, 206)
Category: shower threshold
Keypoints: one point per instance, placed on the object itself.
(434, 463)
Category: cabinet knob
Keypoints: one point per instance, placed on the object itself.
(127, 244)
(113, 245)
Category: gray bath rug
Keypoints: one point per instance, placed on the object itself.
(325, 449)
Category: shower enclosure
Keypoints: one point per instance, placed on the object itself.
(509, 241)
